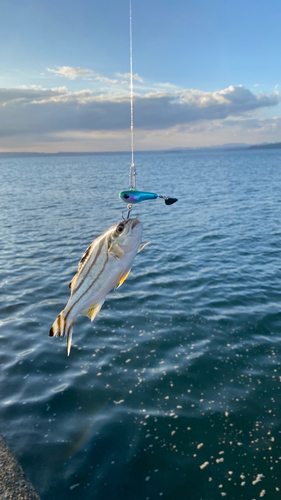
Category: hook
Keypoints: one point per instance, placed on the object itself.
(129, 207)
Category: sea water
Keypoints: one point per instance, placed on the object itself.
(174, 392)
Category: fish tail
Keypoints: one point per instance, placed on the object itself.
(61, 327)
(69, 338)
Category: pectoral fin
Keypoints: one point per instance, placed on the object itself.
(141, 247)
(116, 251)
(121, 278)
(93, 311)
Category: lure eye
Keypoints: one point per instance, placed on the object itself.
(120, 228)
(126, 196)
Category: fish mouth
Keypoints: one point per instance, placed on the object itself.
(135, 223)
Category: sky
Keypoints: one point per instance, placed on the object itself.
(206, 73)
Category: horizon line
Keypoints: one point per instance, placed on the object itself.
(228, 146)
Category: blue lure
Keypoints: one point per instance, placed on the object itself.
(132, 196)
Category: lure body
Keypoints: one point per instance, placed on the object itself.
(133, 196)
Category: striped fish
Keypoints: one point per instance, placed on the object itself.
(105, 264)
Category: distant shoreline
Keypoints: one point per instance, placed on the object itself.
(228, 147)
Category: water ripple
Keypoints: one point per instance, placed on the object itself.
(175, 387)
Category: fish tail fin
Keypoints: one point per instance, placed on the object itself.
(69, 338)
(61, 327)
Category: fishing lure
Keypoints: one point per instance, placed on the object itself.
(133, 196)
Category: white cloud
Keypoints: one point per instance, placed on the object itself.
(105, 79)
(166, 85)
(171, 117)
(72, 73)
(127, 76)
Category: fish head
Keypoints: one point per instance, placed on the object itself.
(127, 234)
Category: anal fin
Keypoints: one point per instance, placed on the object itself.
(93, 311)
(121, 278)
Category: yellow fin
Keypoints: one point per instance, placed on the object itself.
(121, 278)
(93, 311)
(141, 247)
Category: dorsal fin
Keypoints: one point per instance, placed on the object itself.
(73, 281)
(84, 257)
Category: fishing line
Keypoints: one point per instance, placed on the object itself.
(132, 196)
(132, 168)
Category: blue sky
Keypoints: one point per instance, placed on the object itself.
(206, 73)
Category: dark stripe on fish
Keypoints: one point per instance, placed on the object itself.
(91, 266)
(89, 288)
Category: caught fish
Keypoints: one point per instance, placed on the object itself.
(105, 264)
(133, 196)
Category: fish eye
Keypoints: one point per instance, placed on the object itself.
(120, 228)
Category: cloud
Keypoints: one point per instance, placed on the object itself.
(127, 76)
(37, 112)
(72, 73)
(165, 85)
(28, 94)
(87, 74)
(105, 79)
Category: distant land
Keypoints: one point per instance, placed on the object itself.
(231, 147)
(275, 145)
(224, 147)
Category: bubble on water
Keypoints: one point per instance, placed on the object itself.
(74, 486)
(258, 479)
(205, 464)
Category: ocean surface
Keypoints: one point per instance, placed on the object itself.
(174, 392)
